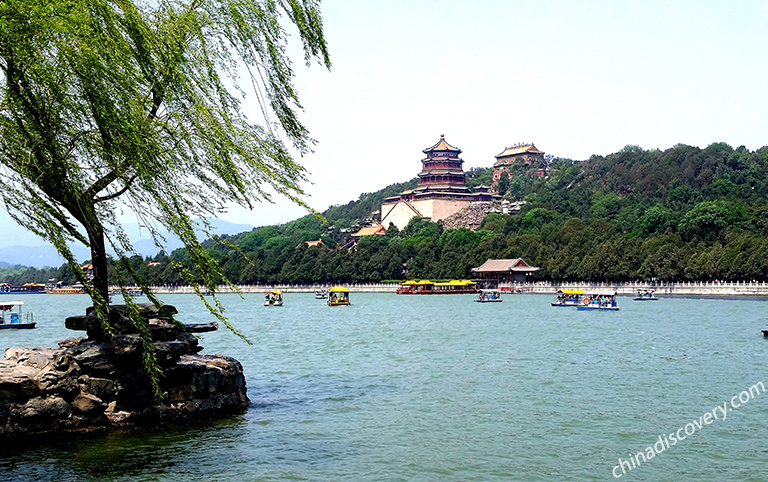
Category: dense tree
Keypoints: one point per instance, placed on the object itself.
(103, 101)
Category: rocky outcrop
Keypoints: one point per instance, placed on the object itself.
(98, 382)
(472, 216)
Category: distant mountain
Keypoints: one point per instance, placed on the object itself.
(37, 256)
(46, 255)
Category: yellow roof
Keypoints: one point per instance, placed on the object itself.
(511, 151)
(572, 292)
(275, 292)
(371, 230)
(456, 282)
(442, 146)
(338, 289)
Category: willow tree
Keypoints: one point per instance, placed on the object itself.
(113, 105)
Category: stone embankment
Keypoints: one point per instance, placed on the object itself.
(693, 288)
(285, 288)
(98, 382)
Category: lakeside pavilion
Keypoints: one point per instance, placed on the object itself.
(495, 271)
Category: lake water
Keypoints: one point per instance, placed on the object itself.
(438, 388)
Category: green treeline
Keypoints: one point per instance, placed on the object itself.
(681, 214)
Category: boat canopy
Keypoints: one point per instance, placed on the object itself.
(572, 292)
(339, 289)
(275, 292)
(602, 292)
(8, 305)
(457, 282)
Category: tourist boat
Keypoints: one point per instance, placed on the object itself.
(75, 289)
(10, 318)
(426, 287)
(135, 292)
(568, 298)
(273, 298)
(338, 296)
(645, 295)
(26, 288)
(598, 301)
(321, 294)
(489, 296)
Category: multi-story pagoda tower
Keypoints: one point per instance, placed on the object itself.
(442, 170)
(441, 191)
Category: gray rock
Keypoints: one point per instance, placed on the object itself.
(201, 327)
(56, 382)
(17, 382)
(102, 388)
(99, 383)
(93, 357)
(71, 342)
(49, 408)
(85, 402)
(30, 357)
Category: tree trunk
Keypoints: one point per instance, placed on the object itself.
(99, 260)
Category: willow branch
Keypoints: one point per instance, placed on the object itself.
(117, 194)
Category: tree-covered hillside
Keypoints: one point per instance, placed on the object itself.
(681, 214)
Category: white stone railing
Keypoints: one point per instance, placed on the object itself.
(692, 288)
(287, 288)
(696, 288)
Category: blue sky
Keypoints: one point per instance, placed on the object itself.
(575, 78)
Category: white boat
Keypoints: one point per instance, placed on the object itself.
(568, 298)
(321, 294)
(10, 318)
(598, 301)
(645, 295)
(489, 296)
(273, 298)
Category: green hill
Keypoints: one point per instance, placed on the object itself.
(681, 214)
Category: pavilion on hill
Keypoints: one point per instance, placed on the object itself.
(441, 191)
(518, 155)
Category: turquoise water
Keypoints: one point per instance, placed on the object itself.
(440, 388)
